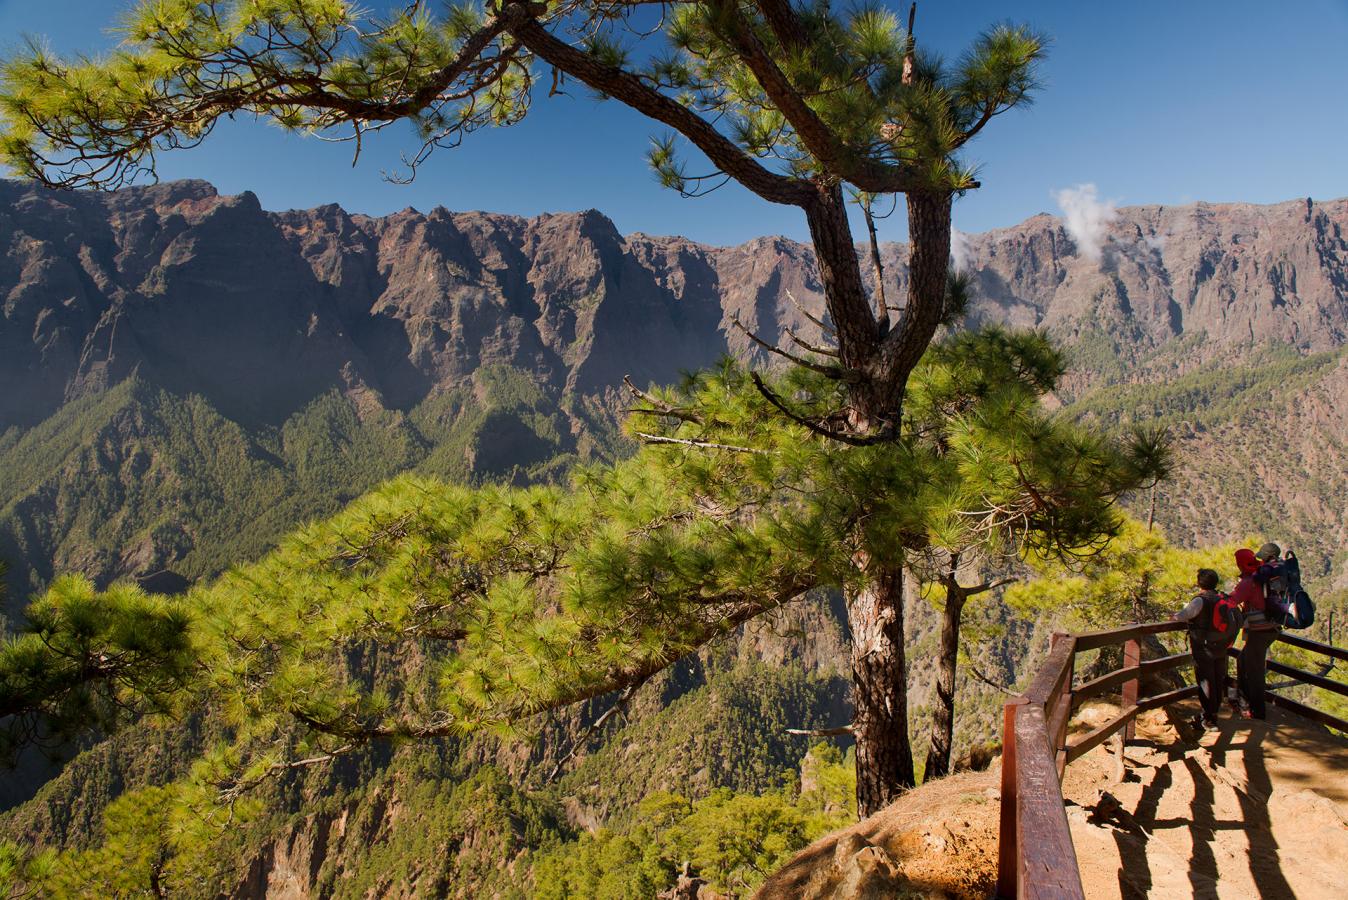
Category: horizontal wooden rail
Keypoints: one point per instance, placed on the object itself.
(1106, 684)
(1310, 678)
(1339, 653)
(1306, 712)
(1095, 738)
(1094, 640)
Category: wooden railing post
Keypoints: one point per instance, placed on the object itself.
(1008, 852)
(1132, 659)
(1060, 712)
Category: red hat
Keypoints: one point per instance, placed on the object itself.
(1246, 561)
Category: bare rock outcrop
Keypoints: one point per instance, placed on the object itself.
(261, 311)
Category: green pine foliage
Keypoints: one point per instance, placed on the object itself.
(434, 611)
(169, 481)
(1138, 576)
(732, 840)
(90, 660)
(319, 65)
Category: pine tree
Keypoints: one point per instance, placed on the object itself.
(1138, 576)
(86, 659)
(796, 103)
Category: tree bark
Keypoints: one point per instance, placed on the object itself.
(928, 271)
(879, 365)
(880, 690)
(854, 324)
(947, 660)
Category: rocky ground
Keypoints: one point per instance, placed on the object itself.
(1255, 810)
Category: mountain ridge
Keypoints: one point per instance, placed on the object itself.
(402, 303)
(262, 315)
(475, 346)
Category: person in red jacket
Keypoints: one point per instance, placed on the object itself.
(1260, 633)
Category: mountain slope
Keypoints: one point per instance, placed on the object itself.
(356, 344)
(188, 377)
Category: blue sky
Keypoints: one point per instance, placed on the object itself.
(1151, 102)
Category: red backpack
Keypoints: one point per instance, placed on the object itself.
(1226, 616)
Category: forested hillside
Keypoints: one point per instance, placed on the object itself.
(189, 377)
(318, 352)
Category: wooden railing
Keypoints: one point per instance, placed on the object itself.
(1035, 854)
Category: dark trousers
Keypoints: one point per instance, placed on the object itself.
(1209, 673)
(1250, 668)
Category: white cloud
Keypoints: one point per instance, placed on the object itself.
(1086, 218)
(959, 250)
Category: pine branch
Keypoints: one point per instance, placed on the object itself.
(987, 586)
(883, 317)
(979, 676)
(820, 140)
(805, 345)
(842, 437)
(835, 372)
(626, 87)
(824, 327)
(785, 24)
(231, 791)
(661, 408)
(619, 705)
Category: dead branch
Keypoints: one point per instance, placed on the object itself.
(821, 732)
(618, 706)
(805, 345)
(831, 371)
(660, 407)
(973, 670)
(824, 327)
(705, 445)
(842, 437)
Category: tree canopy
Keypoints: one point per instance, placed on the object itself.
(820, 477)
(772, 93)
(528, 599)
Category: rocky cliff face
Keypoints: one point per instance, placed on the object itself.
(258, 316)
(260, 312)
(186, 376)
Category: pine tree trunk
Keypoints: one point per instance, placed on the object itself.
(880, 691)
(880, 360)
(947, 659)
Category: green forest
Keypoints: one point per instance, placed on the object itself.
(516, 624)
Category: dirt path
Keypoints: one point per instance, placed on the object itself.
(1256, 810)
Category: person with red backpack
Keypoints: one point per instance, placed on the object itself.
(1213, 623)
(1260, 630)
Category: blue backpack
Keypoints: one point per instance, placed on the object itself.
(1288, 604)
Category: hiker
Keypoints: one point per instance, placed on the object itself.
(1212, 631)
(1260, 632)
